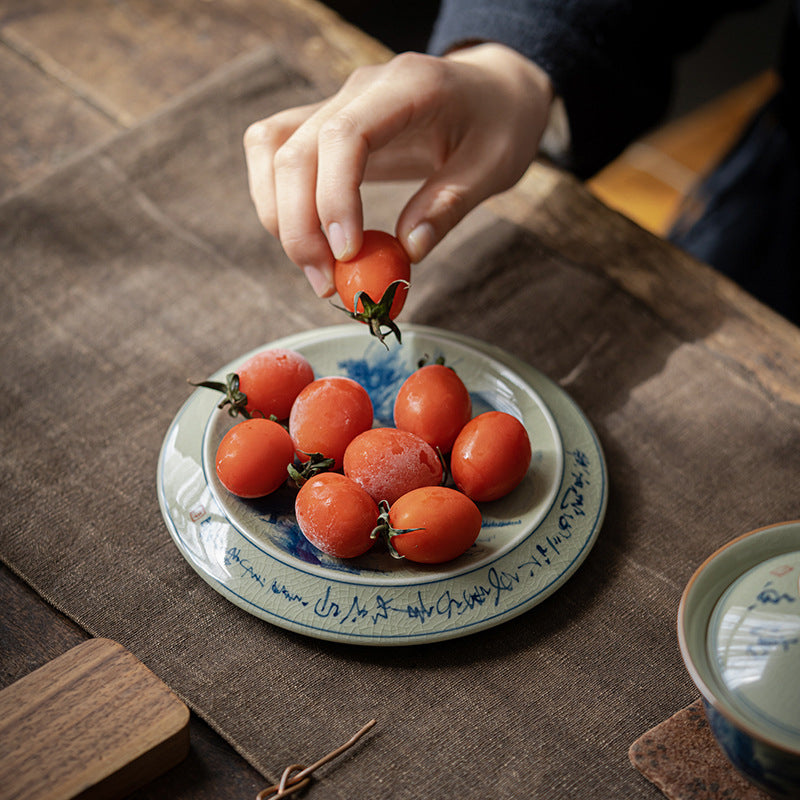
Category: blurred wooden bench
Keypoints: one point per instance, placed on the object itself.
(648, 181)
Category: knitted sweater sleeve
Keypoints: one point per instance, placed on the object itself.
(610, 61)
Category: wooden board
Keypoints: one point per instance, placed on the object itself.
(92, 723)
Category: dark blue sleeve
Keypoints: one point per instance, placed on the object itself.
(610, 61)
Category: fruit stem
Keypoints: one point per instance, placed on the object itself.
(385, 530)
(234, 397)
(316, 463)
(426, 359)
(376, 314)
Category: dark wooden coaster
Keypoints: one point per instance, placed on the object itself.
(682, 758)
(92, 723)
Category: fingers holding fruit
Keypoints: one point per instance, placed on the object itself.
(467, 125)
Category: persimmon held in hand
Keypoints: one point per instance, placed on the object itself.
(373, 285)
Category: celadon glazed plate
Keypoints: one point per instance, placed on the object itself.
(531, 542)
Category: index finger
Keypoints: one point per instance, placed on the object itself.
(262, 140)
(367, 122)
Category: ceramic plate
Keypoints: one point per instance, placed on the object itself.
(531, 542)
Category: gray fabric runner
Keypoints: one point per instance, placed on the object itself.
(141, 263)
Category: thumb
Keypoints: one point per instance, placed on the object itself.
(441, 203)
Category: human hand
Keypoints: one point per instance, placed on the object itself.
(468, 123)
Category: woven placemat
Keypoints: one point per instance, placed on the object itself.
(682, 758)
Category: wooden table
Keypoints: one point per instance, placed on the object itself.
(65, 88)
(73, 74)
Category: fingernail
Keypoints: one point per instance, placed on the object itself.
(421, 241)
(321, 280)
(338, 241)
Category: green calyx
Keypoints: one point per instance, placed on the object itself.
(316, 463)
(426, 359)
(376, 314)
(234, 397)
(385, 531)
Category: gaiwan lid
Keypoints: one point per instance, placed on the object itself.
(753, 646)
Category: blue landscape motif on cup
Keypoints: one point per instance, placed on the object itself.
(776, 635)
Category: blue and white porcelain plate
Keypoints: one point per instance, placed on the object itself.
(531, 542)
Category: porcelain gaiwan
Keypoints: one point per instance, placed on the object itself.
(739, 634)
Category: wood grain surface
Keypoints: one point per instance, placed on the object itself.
(74, 72)
(93, 722)
(696, 301)
(33, 632)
